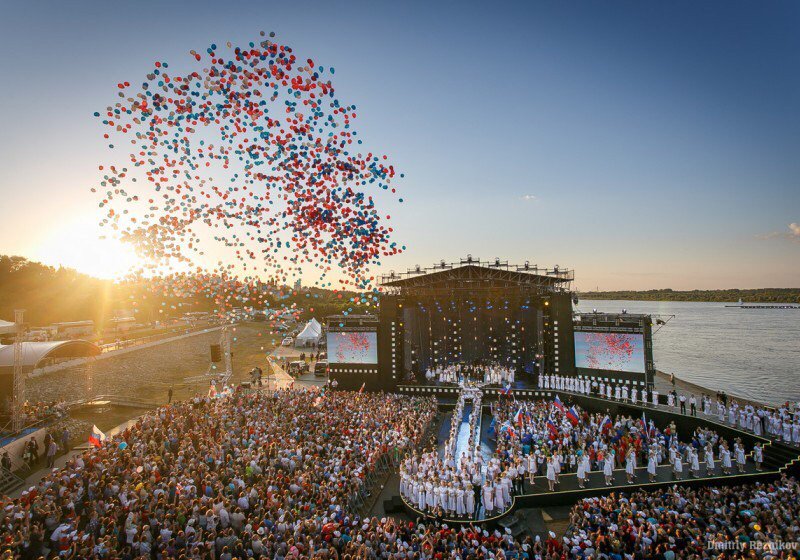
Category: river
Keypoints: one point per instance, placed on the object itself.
(753, 353)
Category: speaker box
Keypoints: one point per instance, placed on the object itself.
(216, 353)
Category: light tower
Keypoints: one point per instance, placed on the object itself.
(19, 375)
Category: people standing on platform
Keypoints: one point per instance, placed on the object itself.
(630, 465)
(758, 456)
(654, 392)
(740, 455)
(583, 468)
(608, 466)
(694, 461)
(652, 464)
(709, 459)
(551, 473)
(725, 458)
(682, 400)
(677, 466)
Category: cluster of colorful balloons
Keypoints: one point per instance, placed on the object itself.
(251, 159)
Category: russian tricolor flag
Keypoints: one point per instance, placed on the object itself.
(558, 404)
(507, 389)
(572, 416)
(518, 417)
(552, 427)
(96, 438)
(605, 424)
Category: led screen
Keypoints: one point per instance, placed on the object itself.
(353, 347)
(609, 351)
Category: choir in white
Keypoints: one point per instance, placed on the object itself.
(467, 486)
(487, 374)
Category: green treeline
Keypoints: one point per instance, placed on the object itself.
(760, 295)
(54, 294)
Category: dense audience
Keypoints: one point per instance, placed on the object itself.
(683, 522)
(262, 475)
(33, 412)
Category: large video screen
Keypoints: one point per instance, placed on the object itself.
(610, 351)
(353, 347)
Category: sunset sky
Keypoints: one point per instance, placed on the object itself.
(646, 145)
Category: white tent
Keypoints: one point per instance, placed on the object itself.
(310, 334)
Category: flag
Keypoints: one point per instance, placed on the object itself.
(507, 389)
(552, 427)
(605, 425)
(572, 416)
(518, 417)
(491, 426)
(558, 404)
(362, 387)
(645, 428)
(96, 438)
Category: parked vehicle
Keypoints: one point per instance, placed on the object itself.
(288, 341)
(297, 368)
(321, 368)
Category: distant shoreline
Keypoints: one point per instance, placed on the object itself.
(761, 295)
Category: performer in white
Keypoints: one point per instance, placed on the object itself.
(583, 468)
(740, 456)
(694, 460)
(652, 463)
(551, 473)
(630, 465)
(725, 456)
(709, 459)
(758, 456)
(608, 467)
(677, 466)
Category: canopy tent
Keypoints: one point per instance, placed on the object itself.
(35, 352)
(310, 334)
(7, 328)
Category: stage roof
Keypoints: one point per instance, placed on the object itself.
(471, 274)
(35, 352)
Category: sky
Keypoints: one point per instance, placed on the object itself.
(644, 145)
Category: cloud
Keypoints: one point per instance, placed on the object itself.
(532, 198)
(792, 235)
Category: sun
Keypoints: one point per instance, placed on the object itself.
(79, 244)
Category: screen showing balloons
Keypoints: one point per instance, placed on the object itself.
(610, 351)
(353, 347)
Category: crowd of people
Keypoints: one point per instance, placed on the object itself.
(546, 438)
(33, 412)
(683, 522)
(263, 475)
(781, 423)
(457, 485)
(480, 373)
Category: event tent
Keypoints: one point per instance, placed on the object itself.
(310, 334)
